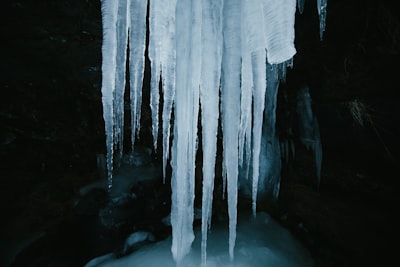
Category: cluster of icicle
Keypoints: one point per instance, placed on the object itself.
(223, 58)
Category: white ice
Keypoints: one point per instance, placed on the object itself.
(208, 54)
(137, 44)
(230, 106)
(211, 42)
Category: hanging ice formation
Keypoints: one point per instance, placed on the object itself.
(223, 56)
(308, 128)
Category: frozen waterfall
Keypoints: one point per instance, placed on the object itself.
(217, 61)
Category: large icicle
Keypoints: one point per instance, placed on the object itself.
(211, 38)
(255, 47)
(109, 10)
(188, 51)
(279, 29)
(162, 54)
(137, 46)
(230, 99)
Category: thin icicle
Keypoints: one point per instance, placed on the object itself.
(137, 46)
(230, 108)
(209, 96)
(156, 17)
(120, 75)
(300, 5)
(246, 92)
(168, 69)
(322, 5)
(109, 10)
(259, 74)
(245, 111)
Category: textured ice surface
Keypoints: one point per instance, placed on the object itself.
(259, 242)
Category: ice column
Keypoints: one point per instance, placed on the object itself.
(188, 53)
(230, 99)
(225, 56)
(162, 55)
(211, 41)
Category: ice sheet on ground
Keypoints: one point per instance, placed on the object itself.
(260, 242)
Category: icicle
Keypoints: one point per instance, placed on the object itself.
(279, 29)
(137, 46)
(109, 10)
(230, 108)
(168, 61)
(255, 48)
(191, 49)
(322, 4)
(259, 74)
(300, 5)
(308, 128)
(188, 51)
(245, 110)
(270, 149)
(209, 96)
(162, 54)
(120, 77)
(156, 24)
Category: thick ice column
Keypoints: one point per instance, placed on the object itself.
(137, 46)
(162, 54)
(109, 10)
(188, 52)
(255, 48)
(279, 18)
(231, 107)
(211, 57)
